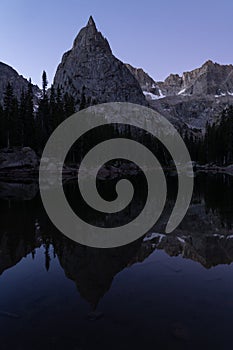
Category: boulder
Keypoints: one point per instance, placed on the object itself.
(12, 158)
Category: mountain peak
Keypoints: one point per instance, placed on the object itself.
(209, 63)
(90, 39)
(91, 64)
(91, 22)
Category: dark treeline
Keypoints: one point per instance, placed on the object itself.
(219, 139)
(26, 123)
(216, 146)
(29, 122)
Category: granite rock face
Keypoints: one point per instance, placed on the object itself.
(90, 70)
(146, 82)
(198, 96)
(19, 83)
(210, 79)
(171, 85)
(195, 110)
(195, 98)
(92, 75)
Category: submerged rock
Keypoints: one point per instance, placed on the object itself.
(18, 191)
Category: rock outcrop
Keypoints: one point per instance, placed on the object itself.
(148, 85)
(92, 74)
(195, 98)
(210, 79)
(18, 191)
(194, 111)
(18, 158)
(171, 86)
(200, 95)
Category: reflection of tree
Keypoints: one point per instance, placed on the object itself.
(24, 226)
(47, 255)
(17, 232)
(217, 191)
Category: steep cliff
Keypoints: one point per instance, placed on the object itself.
(90, 72)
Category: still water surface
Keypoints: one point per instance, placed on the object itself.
(164, 292)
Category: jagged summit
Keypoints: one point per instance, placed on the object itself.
(90, 69)
(209, 63)
(148, 85)
(211, 78)
(91, 22)
(90, 39)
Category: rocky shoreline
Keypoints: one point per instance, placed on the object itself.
(22, 165)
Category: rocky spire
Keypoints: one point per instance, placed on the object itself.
(91, 67)
(90, 39)
(91, 22)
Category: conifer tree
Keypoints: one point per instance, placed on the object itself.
(43, 122)
(28, 119)
(69, 105)
(11, 118)
(2, 129)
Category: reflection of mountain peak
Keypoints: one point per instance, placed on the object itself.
(93, 269)
(208, 250)
(201, 237)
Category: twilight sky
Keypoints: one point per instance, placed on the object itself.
(162, 37)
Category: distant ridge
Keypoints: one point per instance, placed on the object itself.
(19, 83)
(92, 74)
